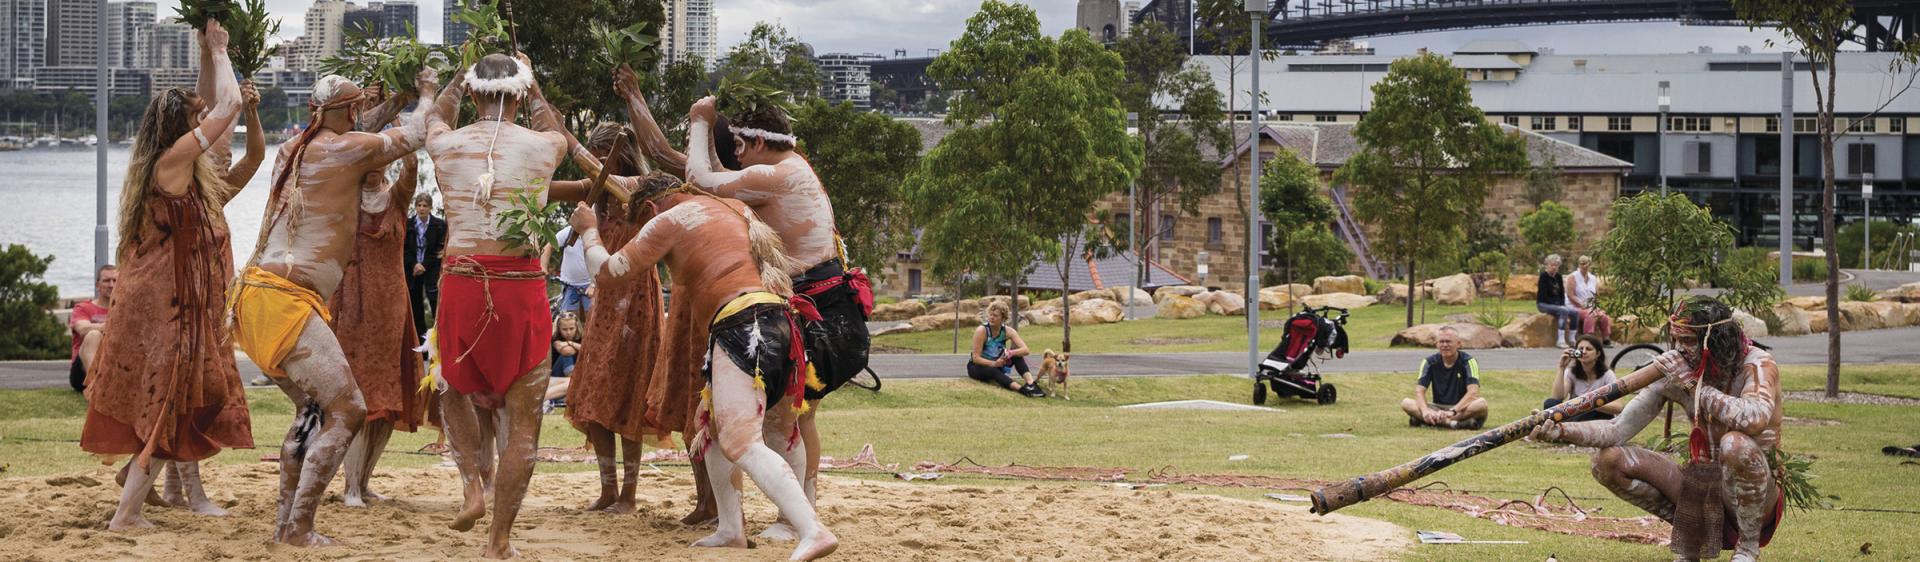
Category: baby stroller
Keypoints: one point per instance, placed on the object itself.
(1314, 331)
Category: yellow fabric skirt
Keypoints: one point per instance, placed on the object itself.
(269, 313)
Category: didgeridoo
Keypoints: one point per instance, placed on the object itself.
(1356, 490)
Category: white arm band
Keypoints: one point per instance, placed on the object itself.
(596, 254)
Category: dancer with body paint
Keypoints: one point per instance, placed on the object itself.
(734, 269)
(493, 326)
(781, 186)
(166, 387)
(1730, 390)
(281, 318)
(372, 313)
(606, 394)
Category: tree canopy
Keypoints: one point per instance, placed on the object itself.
(1176, 168)
(861, 158)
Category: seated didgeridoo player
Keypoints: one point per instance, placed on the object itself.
(732, 266)
(1730, 390)
(492, 328)
(280, 316)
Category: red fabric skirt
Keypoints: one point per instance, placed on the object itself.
(493, 325)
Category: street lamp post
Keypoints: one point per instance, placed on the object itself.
(100, 93)
(1256, 11)
(1133, 220)
(1666, 102)
(1866, 242)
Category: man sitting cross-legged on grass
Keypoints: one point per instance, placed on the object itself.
(1455, 380)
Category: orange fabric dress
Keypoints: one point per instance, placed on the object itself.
(673, 395)
(166, 385)
(373, 319)
(618, 357)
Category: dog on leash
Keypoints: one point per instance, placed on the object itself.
(1053, 373)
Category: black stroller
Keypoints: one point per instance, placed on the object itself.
(1314, 331)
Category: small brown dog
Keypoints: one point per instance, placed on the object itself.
(1053, 373)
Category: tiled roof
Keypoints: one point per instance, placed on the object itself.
(1114, 271)
(1330, 145)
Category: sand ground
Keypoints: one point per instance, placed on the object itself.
(64, 518)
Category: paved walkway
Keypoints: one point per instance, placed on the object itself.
(1867, 348)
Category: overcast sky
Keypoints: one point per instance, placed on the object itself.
(881, 26)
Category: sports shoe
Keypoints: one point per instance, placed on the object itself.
(1033, 391)
(1475, 423)
(1413, 422)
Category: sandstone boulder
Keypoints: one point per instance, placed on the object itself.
(1042, 316)
(1529, 330)
(1522, 287)
(1868, 315)
(1347, 301)
(1750, 325)
(1817, 322)
(1180, 306)
(1280, 297)
(1225, 303)
(896, 311)
(1793, 320)
(1396, 293)
(1139, 297)
(1908, 293)
(1807, 303)
(901, 328)
(931, 322)
(1493, 287)
(1472, 336)
(969, 307)
(1909, 314)
(1627, 329)
(1340, 284)
(1025, 301)
(1162, 293)
(1456, 289)
(1106, 311)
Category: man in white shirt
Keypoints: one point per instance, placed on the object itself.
(575, 282)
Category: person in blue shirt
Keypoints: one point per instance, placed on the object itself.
(1454, 379)
(998, 351)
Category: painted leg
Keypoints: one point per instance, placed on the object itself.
(319, 368)
(602, 440)
(174, 492)
(153, 496)
(737, 417)
(133, 496)
(730, 525)
(1639, 476)
(361, 458)
(291, 461)
(704, 510)
(522, 423)
(810, 436)
(470, 443)
(777, 432)
(197, 491)
(376, 446)
(356, 464)
(1750, 491)
(630, 477)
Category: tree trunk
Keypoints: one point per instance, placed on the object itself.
(1410, 281)
(1013, 303)
(1066, 316)
(1827, 212)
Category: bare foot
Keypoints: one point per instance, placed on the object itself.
(473, 511)
(500, 552)
(207, 508)
(154, 498)
(130, 523)
(717, 540)
(702, 515)
(309, 539)
(622, 506)
(171, 498)
(351, 500)
(822, 544)
(780, 531)
(373, 497)
(605, 500)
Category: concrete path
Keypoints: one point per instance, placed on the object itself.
(1894, 346)
(1878, 280)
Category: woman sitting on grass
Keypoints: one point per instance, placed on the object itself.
(566, 351)
(998, 349)
(1583, 368)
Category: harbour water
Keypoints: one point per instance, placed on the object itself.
(47, 203)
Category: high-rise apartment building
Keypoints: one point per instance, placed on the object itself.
(692, 29)
(72, 33)
(847, 78)
(325, 32)
(22, 25)
(125, 23)
(452, 32)
(383, 20)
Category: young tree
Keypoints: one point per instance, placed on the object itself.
(861, 157)
(1818, 28)
(1547, 229)
(768, 46)
(1291, 201)
(1658, 243)
(554, 34)
(1427, 157)
(1039, 137)
(1159, 73)
(1097, 239)
(1543, 181)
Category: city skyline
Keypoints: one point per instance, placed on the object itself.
(919, 25)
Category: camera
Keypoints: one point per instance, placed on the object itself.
(1576, 353)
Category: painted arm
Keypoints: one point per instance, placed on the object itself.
(382, 148)
(1614, 432)
(749, 185)
(174, 170)
(371, 120)
(446, 106)
(244, 169)
(652, 139)
(1753, 410)
(646, 249)
(408, 182)
(206, 86)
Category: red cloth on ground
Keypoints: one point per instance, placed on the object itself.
(491, 330)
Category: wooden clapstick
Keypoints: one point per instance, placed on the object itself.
(598, 191)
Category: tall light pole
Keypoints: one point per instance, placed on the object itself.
(1866, 242)
(1256, 11)
(1133, 221)
(100, 143)
(1786, 169)
(1665, 103)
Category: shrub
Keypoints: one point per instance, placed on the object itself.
(1547, 230)
(1848, 240)
(1492, 317)
(28, 329)
(1861, 293)
(1659, 242)
(1809, 270)
(1316, 252)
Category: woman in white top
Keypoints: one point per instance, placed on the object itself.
(1583, 368)
(1582, 289)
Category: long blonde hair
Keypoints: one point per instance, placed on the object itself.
(168, 119)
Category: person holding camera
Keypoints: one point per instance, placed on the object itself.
(1583, 368)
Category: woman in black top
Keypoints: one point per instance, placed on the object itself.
(1552, 299)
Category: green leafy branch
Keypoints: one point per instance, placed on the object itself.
(248, 28)
(632, 46)
(740, 95)
(393, 61)
(530, 224)
(486, 33)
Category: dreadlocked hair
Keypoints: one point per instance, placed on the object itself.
(1721, 340)
(770, 118)
(627, 162)
(168, 118)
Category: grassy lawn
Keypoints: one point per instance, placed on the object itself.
(944, 420)
(1368, 328)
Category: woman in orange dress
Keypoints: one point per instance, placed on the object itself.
(167, 387)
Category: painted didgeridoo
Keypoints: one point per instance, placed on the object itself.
(1356, 490)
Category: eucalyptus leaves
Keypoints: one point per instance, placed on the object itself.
(486, 33)
(529, 224)
(738, 95)
(393, 61)
(632, 46)
(248, 29)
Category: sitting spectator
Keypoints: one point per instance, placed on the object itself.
(1454, 378)
(1583, 368)
(566, 352)
(89, 326)
(1552, 299)
(997, 350)
(1583, 288)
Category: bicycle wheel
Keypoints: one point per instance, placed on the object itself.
(866, 379)
(1634, 357)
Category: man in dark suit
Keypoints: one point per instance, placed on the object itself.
(426, 241)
